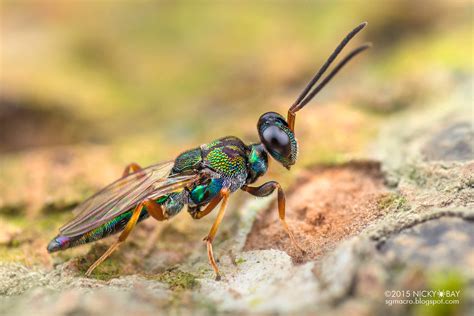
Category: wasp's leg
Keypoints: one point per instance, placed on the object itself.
(212, 233)
(156, 210)
(130, 225)
(196, 213)
(131, 168)
(222, 196)
(267, 189)
(153, 208)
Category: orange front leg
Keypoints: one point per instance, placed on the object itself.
(267, 189)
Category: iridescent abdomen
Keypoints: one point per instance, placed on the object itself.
(112, 227)
(172, 204)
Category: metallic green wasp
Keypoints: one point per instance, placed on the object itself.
(200, 178)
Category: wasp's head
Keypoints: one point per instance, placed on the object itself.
(277, 134)
(277, 138)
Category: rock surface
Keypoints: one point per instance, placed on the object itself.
(405, 222)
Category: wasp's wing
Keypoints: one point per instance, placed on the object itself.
(119, 188)
(124, 194)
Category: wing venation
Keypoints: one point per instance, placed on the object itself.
(124, 194)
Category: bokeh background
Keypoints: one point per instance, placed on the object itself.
(153, 78)
(89, 86)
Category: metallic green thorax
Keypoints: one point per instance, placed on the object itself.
(227, 162)
(188, 160)
(224, 163)
(257, 162)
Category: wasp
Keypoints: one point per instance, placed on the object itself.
(201, 178)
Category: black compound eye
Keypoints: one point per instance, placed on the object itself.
(276, 139)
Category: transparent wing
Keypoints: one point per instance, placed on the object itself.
(124, 194)
(120, 188)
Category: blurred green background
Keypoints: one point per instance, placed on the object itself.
(153, 78)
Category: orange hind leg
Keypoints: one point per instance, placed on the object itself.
(222, 196)
(131, 168)
(153, 208)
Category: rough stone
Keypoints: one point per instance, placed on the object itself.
(413, 231)
(439, 242)
(453, 143)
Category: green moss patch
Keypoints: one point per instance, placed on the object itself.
(109, 269)
(392, 201)
(177, 279)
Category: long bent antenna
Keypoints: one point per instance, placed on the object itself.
(306, 96)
